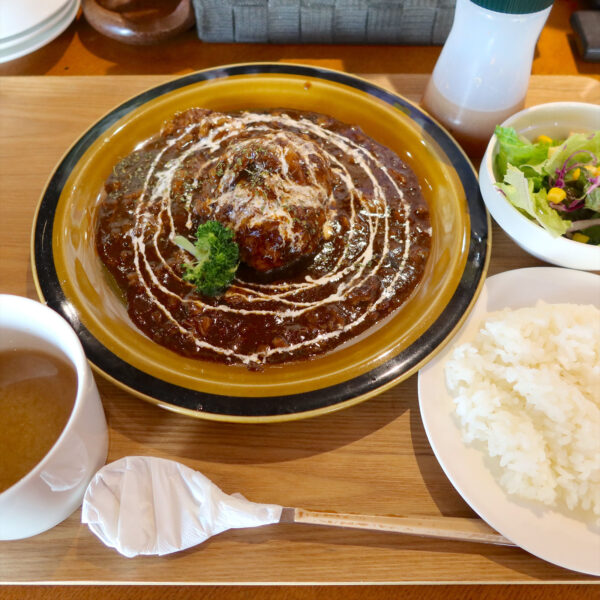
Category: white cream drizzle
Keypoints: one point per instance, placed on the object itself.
(148, 224)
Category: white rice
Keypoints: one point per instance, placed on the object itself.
(528, 388)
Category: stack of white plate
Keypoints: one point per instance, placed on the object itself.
(26, 25)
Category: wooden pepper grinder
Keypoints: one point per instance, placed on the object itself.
(139, 22)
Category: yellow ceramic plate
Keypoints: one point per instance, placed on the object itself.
(71, 279)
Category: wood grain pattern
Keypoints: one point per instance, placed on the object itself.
(81, 50)
(449, 528)
(314, 592)
(373, 458)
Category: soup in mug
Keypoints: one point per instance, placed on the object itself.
(37, 394)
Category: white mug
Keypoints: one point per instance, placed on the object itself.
(54, 488)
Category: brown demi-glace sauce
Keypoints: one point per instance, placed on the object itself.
(334, 233)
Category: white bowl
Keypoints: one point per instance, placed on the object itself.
(557, 120)
(54, 488)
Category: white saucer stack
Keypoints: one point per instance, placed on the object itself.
(26, 25)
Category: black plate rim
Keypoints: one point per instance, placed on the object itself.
(284, 407)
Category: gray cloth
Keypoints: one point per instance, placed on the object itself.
(423, 22)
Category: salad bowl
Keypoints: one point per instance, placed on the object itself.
(555, 120)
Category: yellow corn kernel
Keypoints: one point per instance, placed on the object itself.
(581, 237)
(575, 173)
(592, 170)
(552, 150)
(543, 139)
(556, 195)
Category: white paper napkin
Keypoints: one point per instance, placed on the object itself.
(147, 505)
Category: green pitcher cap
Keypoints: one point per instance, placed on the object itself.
(514, 7)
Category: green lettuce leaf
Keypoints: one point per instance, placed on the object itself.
(592, 200)
(593, 233)
(516, 150)
(575, 142)
(520, 192)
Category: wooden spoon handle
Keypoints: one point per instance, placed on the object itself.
(452, 528)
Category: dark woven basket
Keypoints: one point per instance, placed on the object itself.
(422, 22)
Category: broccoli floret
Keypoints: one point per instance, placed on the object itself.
(217, 258)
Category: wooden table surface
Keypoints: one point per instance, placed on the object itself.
(373, 457)
(80, 50)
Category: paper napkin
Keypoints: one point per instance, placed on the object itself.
(147, 505)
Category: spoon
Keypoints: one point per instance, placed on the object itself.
(145, 505)
(451, 528)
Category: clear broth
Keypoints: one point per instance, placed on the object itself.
(37, 394)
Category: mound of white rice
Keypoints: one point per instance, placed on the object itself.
(528, 387)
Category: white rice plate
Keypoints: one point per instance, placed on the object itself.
(527, 390)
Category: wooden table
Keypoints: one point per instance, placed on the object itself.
(372, 458)
(80, 50)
